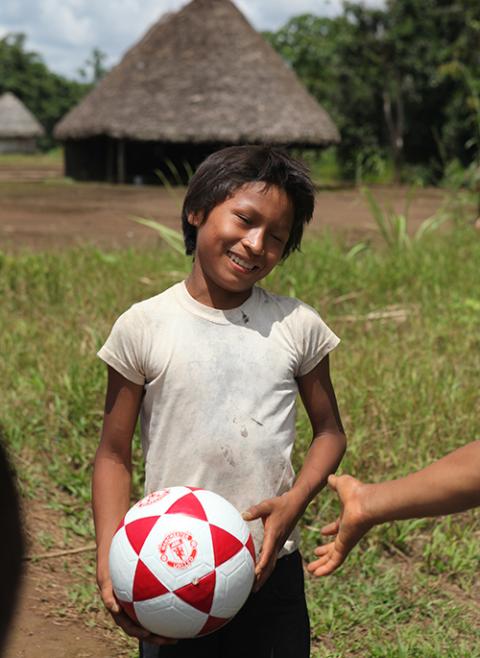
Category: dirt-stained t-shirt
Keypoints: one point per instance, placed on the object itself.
(219, 410)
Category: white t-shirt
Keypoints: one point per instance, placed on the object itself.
(220, 390)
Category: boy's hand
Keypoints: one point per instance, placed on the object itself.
(123, 620)
(279, 516)
(349, 528)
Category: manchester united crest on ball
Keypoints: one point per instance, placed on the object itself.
(178, 550)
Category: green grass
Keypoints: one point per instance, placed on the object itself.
(406, 376)
(34, 160)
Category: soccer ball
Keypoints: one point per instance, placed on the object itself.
(182, 562)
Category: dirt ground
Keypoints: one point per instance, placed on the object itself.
(40, 210)
(48, 622)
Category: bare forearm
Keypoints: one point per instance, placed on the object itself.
(452, 484)
(110, 496)
(323, 458)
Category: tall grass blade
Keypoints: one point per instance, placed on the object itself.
(168, 186)
(173, 238)
(379, 216)
(173, 169)
(429, 225)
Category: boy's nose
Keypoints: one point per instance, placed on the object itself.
(254, 241)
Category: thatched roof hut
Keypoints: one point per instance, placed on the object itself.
(19, 129)
(199, 79)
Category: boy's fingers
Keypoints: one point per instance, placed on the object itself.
(109, 600)
(265, 555)
(160, 641)
(332, 481)
(331, 528)
(130, 627)
(112, 606)
(257, 511)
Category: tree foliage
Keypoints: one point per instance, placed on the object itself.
(46, 94)
(402, 81)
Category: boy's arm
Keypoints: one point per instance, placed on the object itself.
(111, 486)
(451, 484)
(281, 514)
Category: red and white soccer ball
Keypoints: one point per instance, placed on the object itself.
(182, 562)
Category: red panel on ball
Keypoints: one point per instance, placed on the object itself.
(199, 594)
(189, 505)
(138, 530)
(212, 624)
(145, 584)
(225, 545)
(251, 548)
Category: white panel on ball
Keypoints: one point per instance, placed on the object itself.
(234, 581)
(122, 564)
(169, 616)
(223, 514)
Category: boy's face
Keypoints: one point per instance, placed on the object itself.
(239, 243)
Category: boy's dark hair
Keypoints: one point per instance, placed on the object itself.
(225, 171)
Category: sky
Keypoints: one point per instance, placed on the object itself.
(65, 32)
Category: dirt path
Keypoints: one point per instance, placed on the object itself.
(46, 215)
(40, 631)
(49, 622)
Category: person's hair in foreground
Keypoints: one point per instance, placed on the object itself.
(226, 171)
(11, 546)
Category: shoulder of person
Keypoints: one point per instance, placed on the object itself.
(148, 310)
(288, 306)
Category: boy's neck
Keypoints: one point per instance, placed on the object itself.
(208, 294)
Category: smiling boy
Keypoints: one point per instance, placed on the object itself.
(213, 365)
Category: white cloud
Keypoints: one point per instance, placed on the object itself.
(65, 32)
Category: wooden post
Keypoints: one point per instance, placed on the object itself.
(110, 173)
(120, 161)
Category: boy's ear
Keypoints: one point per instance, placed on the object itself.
(194, 219)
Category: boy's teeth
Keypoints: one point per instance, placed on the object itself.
(240, 262)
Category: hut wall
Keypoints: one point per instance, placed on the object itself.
(155, 162)
(18, 145)
(117, 161)
(86, 159)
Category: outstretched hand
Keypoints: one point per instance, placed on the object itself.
(349, 528)
(279, 518)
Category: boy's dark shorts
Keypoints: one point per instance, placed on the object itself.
(273, 623)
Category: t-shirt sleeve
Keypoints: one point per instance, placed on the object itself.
(315, 341)
(123, 348)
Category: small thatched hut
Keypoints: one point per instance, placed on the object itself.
(19, 129)
(200, 79)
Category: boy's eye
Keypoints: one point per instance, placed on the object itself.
(244, 219)
(278, 238)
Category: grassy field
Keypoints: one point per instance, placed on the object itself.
(406, 375)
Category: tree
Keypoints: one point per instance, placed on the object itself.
(403, 80)
(94, 68)
(47, 95)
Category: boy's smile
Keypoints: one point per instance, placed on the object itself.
(239, 243)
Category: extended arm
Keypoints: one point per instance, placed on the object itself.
(451, 484)
(281, 514)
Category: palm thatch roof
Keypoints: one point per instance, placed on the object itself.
(16, 121)
(201, 75)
